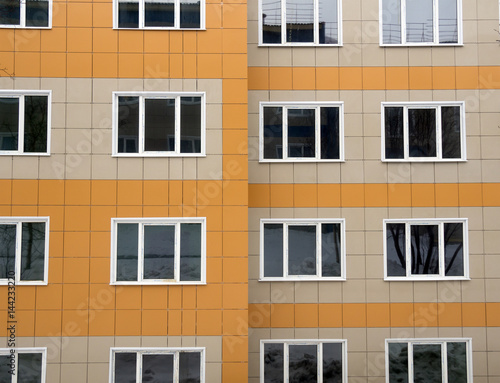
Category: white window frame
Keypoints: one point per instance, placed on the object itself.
(301, 105)
(22, 18)
(18, 221)
(428, 221)
(158, 95)
(316, 43)
(177, 11)
(425, 105)
(316, 342)
(155, 350)
(435, 17)
(20, 94)
(442, 342)
(158, 221)
(26, 350)
(303, 222)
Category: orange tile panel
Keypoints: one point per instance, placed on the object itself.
(56, 270)
(59, 11)
(329, 195)
(102, 15)
(214, 222)
(493, 314)
(155, 42)
(443, 77)
(48, 323)
(449, 314)
(77, 192)
(53, 40)
(489, 77)
(327, 78)
(129, 298)
(305, 195)
(234, 372)
(49, 297)
(105, 65)
(53, 64)
(234, 65)
(209, 65)
(354, 315)
(155, 211)
(373, 78)
(233, 41)
(76, 244)
(491, 194)
(397, 78)
(214, 270)
(189, 42)
(130, 65)
(209, 192)
(189, 192)
(235, 322)
(280, 78)
(425, 314)
(79, 14)
(235, 193)
(24, 192)
(154, 323)
(234, 116)
(470, 195)
(175, 193)
(235, 167)
(101, 297)
(378, 315)
(213, 15)
(283, 315)
(303, 78)
(128, 322)
(103, 192)
(175, 41)
(102, 323)
(234, 16)
(188, 322)
(25, 325)
(474, 314)
(174, 297)
(5, 211)
(209, 322)
(51, 192)
(79, 39)
(189, 297)
(77, 218)
(235, 142)
(104, 40)
(235, 91)
(282, 195)
(235, 296)
(446, 194)
(234, 218)
(189, 65)
(154, 297)
(129, 193)
(235, 270)
(399, 195)
(259, 315)
(174, 325)
(56, 214)
(26, 211)
(8, 39)
(101, 217)
(235, 244)
(467, 77)
(306, 315)
(75, 296)
(74, 323)
(7, 60)
(209, 41)
(352, 195)
(330, 315)
(79, 65)
(25, 297)
(209, 297)
(376, 195)
(156, 66)
(420, 78)
(422, 195)
(130, 41)
(234, 348)
(99, 270)
(402, 315)
(155, 192)
(27, 40)
(351, 78)
(259, 195)
(76, 270)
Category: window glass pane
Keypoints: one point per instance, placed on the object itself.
(158, 368)
(189, 367)
(457, 362)
(7, 249)
(35, 124)
(190, 124)
(427, 366)
(300, 21)
(4, 369)
(10, 11)
(301, 133)
(332, 363)
(273, 250)
(303, 363)
(331, 250)
(448, 23)
(330, 141)
(37, 13)
(33, 251)
(128, 124)
(9, 123)
(30, 367)
(128, 14)
(271, 21)
(125, 367)
(159, 250)
(328, 22)
(273, 132)
(190, 14)
(422, 132)
(453, 249)
(301, 250)
(450, 130)
(419, 21)
(398, 363)
(190, 252)
(159, 129)
(391, 21)
(394, 136)
(396, 249)
(424, 249)
(159, 13)
(126, 251)
(273, 363)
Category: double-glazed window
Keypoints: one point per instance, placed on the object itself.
(35, 14)
(423, 131)
(159, 14)
(301, 132)
(24, 122)
(24, 247)
(159, 124)
(311, 361)
(428, 360)
(426, 249)
(158, 251)
(300, 22)
(421, 22)
(143, 365)
(302, 249)
(23, 365)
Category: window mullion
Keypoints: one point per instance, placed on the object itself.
(408, 248)
(435, 29)
(16, 363)
(439, 133)
(317, 132)
(403, 21)
(177, 253)
(138, 369)
(320, 361)
(177, 137)
(410, 362)
(177, 14)
(406, 128)
(285, 133)
(18, 252)
(319, 251)
(444, 361)
(142, 124)
(22, 13)
(441, 249)
(140, 255)
(285, 250)
(20, 136)
(316, 22)
(176, 366)
(286, 364)
(142, 17)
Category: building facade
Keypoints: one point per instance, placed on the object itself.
(264, 191)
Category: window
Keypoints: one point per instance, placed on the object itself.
(159, 14)
(300, 22)
(423, 132)
(428, 360)
(158, 251)
(36, 14)
(24, 246)
(319, 361)
(302, 249)
(20, 365)
(301, 132)
(24, 122)
(142, 365)
(426, 249)
(159, 124)
(421, 22)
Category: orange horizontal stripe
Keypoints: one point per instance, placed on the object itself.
(325, 315)
(373, 78)
(374, 195)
